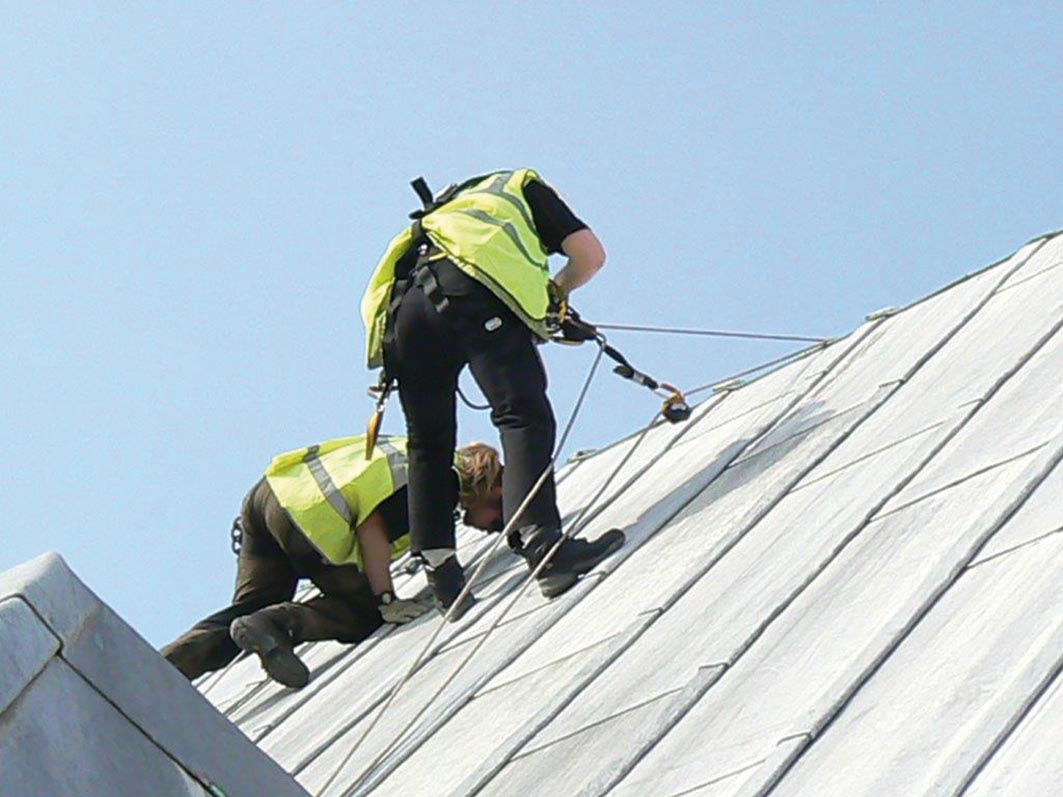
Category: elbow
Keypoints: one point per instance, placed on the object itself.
(593, 253)
(599, 260)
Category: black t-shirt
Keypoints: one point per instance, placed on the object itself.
(554, 220)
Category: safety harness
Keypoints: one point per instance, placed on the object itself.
(416, 274)
(564, 321)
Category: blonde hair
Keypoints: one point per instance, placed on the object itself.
(479, 472)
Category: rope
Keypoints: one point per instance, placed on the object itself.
(469, 404)
(457, 602)
(718, 333)
(777, 361)
(575, 528)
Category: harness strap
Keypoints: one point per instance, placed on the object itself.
(424, 193)
(425, 279)
(421, 276)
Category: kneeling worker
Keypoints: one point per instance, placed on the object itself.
(329, 514)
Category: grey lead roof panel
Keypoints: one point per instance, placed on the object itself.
(1028, 761)
(1004, 616)
(89, 709)
(841, 578)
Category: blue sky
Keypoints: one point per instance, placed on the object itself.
(193, 195)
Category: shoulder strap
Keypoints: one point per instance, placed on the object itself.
(430, 201)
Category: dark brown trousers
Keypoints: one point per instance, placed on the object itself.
(274, 555)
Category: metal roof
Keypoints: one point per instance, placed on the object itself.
(844, 578)
(89, 709)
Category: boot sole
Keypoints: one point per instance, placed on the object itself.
(551, 587)
(280, 664)
(460, 611)
(616, 542)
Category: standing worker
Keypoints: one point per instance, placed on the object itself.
(331, 514)
(469, 283)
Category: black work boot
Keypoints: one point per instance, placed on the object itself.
(447, 581)
(574, 558)
(269, 640)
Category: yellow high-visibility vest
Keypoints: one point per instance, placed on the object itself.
(331, 488)
(487, 231)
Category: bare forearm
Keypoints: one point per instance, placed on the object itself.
(376, 554)
(586, 256)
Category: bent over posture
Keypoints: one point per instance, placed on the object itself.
(469, 284)
(329, 514)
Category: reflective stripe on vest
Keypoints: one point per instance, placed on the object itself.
(487, 231)
(330, 488)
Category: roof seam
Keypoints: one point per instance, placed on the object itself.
(680, 706)
(457, 704)
(957, 482)
(548, 665)
(812, 389)
(1015, 721)
(746, 457)
(1033, 276)
(929, 603)
(527, 751)
(1013, 548)
(869, 455)
(502, 754)
(719, 778)
(304, 696)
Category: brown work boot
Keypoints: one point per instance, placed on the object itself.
(262, 635)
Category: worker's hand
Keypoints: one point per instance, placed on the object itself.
(398, 610)
(575, 330)
(557, 310)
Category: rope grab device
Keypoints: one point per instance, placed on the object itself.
(571, 329)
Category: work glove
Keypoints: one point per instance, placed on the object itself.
(398, 610)
(557, 309)
(562, 322)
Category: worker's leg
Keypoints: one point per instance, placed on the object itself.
(426, 361)
(345, 611)
(506, 364)
(505, 361)
(264, 576)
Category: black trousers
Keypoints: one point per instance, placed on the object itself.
(274, 555)
(428, 354)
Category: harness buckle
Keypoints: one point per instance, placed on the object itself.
(425, 279)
